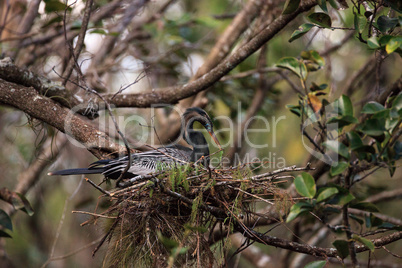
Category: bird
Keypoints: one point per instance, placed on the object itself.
(148, 162)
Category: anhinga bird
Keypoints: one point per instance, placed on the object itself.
(152, 161)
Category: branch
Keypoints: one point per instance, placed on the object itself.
(50, 150)
(174, 94)
(73, 62)
(46, 110)
(385, 196)
(255, 255)
(313, 250)
(171, 95)
(221, 49)
(12, 73)
(227, 40)
(391, 90)
(383, 217)
(264, 85)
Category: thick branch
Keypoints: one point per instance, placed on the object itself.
(174, 94)
(169, 95)
(12, 73)
(46, 110)
(313, 250)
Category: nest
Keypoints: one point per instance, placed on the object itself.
(168, 220)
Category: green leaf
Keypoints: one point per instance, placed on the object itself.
(200, 229)
(343, 120)
(395, 5)
(338, 4)
(382, 115)
(313, 56)
(331, 210)
(372, 107)
(366, 206)
(298, 209)
(357, 219)
(316, 57)
(321, 19)
(373, 127)
(179, 250)
(397, 103)
(364, 241)
(290, 6)
(338, 168)
(312, 117)
(294, 65)
(98, 31)
(391, 124)
(365, 149)
(337, 147)
(20, 202)
(167, 242)
(315, 87)
(207, 21)
(294, 109)
(316, 264)
(327, 193)
(54, 20)
(373, 43)
(398, 150)
(393, 113)
(302, 30)
(5, 220)
(55, 6)
(360, 22)
(4, 234)
(76, 25)
(345, 199)
(342, 198)
(345, 105)
(305, 185)
(342, 248)
(373, 221)
(387, 225)
(323, 5)
(393, 44)
(384, 40)
(385, 23)
(354, 140)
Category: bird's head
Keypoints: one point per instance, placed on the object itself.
(197, 114)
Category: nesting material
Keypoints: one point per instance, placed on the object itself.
(172, 219)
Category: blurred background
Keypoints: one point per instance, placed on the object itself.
(145, 46)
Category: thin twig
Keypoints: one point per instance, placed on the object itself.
(94, 214)
(97, 187)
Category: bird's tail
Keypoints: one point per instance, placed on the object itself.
(77, 171)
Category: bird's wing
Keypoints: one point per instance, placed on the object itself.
(145, 162)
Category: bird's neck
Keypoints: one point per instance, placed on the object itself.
(200, 146)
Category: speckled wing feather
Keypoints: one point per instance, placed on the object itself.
(144, 163)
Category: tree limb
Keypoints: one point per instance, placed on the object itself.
(46, 110)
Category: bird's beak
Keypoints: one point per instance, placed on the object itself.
(215, 139)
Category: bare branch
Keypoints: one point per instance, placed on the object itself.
(253, 253)
(73, 62)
